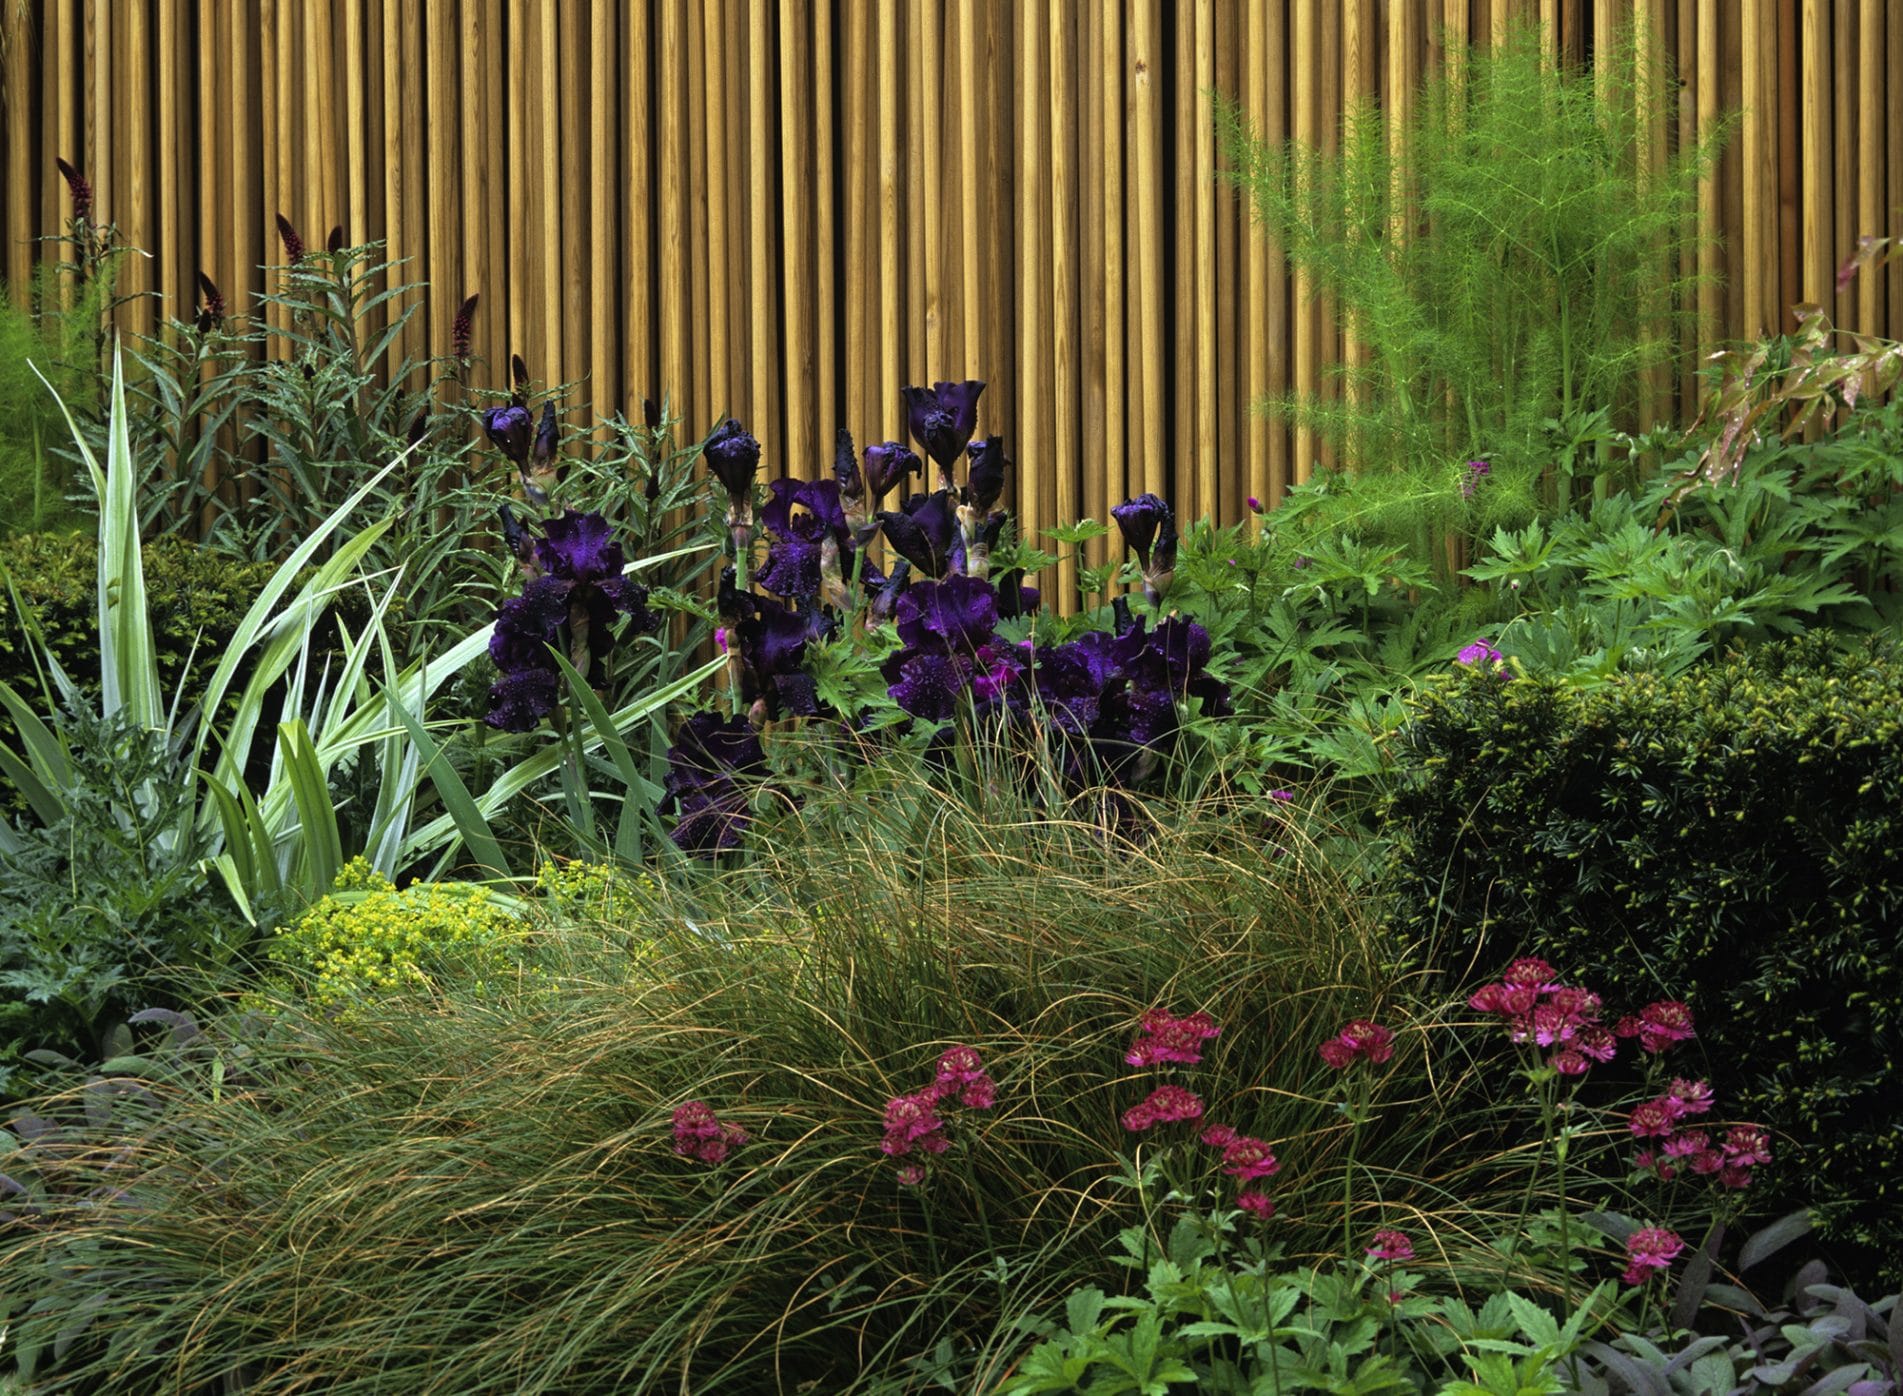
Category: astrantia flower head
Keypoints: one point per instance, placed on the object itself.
(1163, 1039)
(1164, 1105)
(913, 1122)
(1652, 1119)
(1260, 1203)
(1249, 1159)
(1659, 1025)
(1392, 1246)
(1649, 1251)
(1219, 1136)
(699, 1134)
(1360, 1040)
(961, 1073)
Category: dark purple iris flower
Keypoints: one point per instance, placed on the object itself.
(707, 764)
(800, 515)
(951, 655)
(772, 642)
(942, 418)
(1139, 519)
(1014, 598)
(984, 482)
(852, 484)
(925, 532)
(887, 466)
(734, 457)
(572, 604)
(509, 430)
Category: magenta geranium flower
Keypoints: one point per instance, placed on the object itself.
(699, 1134)
(1649, 1251)
(1165, 1039)
(1163, 1106)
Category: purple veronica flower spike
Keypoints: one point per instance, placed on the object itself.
(942, 418)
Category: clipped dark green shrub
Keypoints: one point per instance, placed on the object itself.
(1732, 837)
(196, 597)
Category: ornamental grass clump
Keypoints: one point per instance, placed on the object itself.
(478, 1193)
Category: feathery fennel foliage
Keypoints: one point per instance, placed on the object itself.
(1507, 259)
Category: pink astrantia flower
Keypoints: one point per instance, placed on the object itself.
(1689, 1097)
(1391, 1245)
(1163, 1038)
(1659, 1025)
(1649, 1250)
(913, 1122)
(1569, 1061)
(1360, 1039)
(1219, 1136)
(1535, 1008)
(1652, 1119)
(699, 1134)
(911, 1174)
(1747, 1144)
(1259, 1203)
(961, 1073)
(1249, 1159)
(1163, 1106)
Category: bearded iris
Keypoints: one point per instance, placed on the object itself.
(925, 532)
(942, 418)
(575, 588)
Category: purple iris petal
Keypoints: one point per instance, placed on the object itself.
(509, 428)
(985, 481)
(927, 686)
(791, 568)
(954, 616)
(887, 466)
(580, 548)
(924, 531)
(1139, 520)
(520, 699)
(942, 418)
(734, 457)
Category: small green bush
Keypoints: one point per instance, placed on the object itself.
(367, 937)
(1732, 836)
(195, 597)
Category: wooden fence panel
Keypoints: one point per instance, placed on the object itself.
(784, 209)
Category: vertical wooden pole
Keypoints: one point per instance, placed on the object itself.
(1061, 466)
(1208, 461)
(1147, 193)
(1305, 59)
(1872, 149)
(1819, 250)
